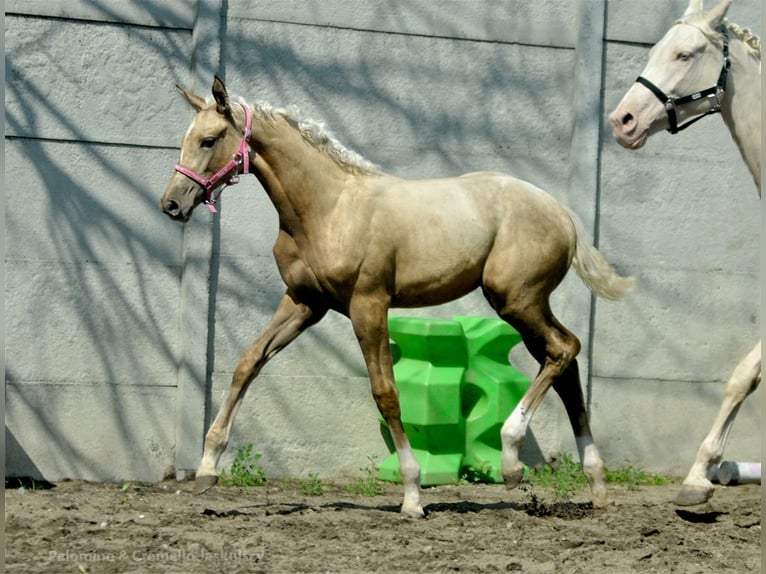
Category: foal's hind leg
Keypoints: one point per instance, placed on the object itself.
(569, 389)
(289, 321)
(697, 488)
(554, 348)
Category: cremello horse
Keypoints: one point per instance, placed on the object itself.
(704, 64)
(358, 241)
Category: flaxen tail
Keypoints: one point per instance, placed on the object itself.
(594, 270)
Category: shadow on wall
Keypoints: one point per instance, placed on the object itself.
(23, 465)
(93, 267)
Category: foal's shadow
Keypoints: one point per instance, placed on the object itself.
(565, 510)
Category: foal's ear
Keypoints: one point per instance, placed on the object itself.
(715, 15)
(194, 100)
(694, 7)
(221, 97)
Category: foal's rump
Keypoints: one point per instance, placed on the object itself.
(537, 223)
(480, 226)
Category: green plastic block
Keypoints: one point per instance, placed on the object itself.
(491, 390)
(456, 388)
(429, 366)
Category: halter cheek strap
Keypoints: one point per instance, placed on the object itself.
(237, 165)
(717, 92)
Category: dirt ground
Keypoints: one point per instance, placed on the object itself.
(95, 528)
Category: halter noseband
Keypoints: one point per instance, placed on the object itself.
(717, 92)
(239, 162)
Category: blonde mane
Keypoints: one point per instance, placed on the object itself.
(317, 135)
(746, 35)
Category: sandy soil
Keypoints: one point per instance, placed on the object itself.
(95, 528)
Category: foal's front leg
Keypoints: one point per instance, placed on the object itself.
(289, 321)
(369, 316)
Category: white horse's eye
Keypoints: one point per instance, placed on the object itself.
(684, 56)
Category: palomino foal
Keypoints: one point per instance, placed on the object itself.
(358, 241)
(704, 64)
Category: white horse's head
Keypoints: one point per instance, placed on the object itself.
(682, 67)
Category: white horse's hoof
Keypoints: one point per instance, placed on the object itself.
(204, 483)
(690, 495)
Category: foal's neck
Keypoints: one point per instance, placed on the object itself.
(302, 182)
(742, 108)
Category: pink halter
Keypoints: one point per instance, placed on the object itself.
(239, 161)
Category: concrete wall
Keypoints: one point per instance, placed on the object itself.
(123, 328)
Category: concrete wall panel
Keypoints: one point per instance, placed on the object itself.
(117, 317)
(662, 423)
(453, 108)
(114, 85)
(102, 432)
(548, 22)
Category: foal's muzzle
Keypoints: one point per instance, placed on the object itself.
(171, 208)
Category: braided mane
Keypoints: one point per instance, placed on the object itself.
(746, 35)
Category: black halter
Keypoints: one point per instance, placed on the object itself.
(716, 92)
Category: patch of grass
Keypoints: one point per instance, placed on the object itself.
(565, 480)
(368, 485)
(568, 478)
(480, 472)
(244, 472)
(312, 486)
(633, 477)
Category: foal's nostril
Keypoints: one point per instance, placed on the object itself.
(171, 207)
(627, 119)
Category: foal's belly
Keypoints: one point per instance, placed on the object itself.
(434, 282)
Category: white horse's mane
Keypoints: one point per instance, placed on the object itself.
(746, 35)
(317, 135)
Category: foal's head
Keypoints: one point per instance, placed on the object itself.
(209, 153)
(687, 60)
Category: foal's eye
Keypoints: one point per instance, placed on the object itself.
(684, 56)
(208, 142)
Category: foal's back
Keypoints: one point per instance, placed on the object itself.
(438, 236)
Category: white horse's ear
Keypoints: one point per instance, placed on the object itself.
(694, 7)
(716, 15)
(194, 100)
(221, 96)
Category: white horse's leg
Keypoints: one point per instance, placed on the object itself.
(289, 321)
(369, 316)
(697, 488)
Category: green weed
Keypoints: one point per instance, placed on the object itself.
(244, 472)
(480, 472)
(368, 485)
(565, 480)
(568, 477)
(633, 477)
(312, 486)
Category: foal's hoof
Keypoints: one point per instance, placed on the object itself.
(412, 512)
(691, 495)
(204, 483)
(513, 478)
(600, 497)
